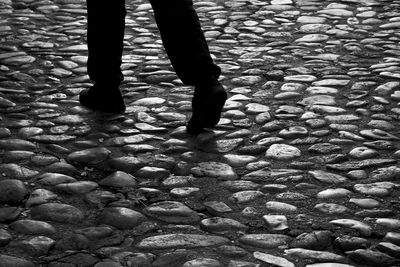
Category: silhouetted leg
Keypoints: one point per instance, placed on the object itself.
(105, 34)
(106, 23)
(188, 51)
(184, 41)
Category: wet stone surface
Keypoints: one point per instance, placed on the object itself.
(302, 169)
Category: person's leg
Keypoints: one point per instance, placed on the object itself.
(105, 34)
(184, 40)
(188, 51)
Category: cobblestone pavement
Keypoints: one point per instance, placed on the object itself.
(302, 169)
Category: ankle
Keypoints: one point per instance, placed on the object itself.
(209, 81)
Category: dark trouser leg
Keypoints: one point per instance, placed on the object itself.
(187, 49)
(106, 23)
(105, 34)
(184, 41)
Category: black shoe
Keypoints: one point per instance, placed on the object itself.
(103, 99)
(207, 103)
